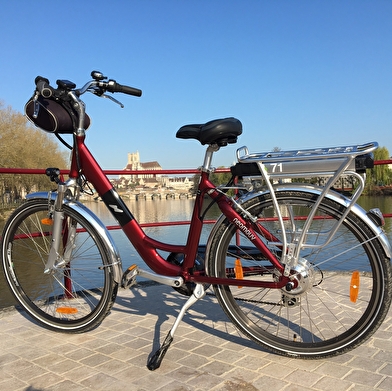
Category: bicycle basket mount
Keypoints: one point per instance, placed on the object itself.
(53, 116)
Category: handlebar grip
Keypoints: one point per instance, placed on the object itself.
(116, 87)
(43, 86)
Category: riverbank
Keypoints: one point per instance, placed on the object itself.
(5, 213)
(379, 191)
(7, 208)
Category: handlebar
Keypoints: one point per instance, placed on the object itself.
(99, 87)
(113, 86)
(43, 86)
(68, 96)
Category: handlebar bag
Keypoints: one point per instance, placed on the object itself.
(53, 116)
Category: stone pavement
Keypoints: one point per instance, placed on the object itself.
(206, 354)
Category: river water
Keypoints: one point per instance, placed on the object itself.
(147, 211)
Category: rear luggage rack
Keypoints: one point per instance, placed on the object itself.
(305, 163)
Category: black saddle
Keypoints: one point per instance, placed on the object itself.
(220, 131)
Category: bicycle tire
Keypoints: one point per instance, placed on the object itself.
(73, 298)
(318, 319)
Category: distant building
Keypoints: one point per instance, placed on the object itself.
(152, 180)
(134, 164)
(179, 183)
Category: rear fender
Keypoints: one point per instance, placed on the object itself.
(337, 197)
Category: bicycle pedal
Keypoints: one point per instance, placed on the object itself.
(129, 277)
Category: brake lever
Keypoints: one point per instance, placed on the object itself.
(36, 106)
(99, 92)
(113, 99)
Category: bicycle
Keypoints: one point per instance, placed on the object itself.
(300, 269)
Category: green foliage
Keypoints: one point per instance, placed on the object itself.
(24, 146)
(381, 174)
(220, 178)
(216, 178)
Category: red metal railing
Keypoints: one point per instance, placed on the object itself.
(36, 171)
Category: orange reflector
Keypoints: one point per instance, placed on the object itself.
(354, 286)
(47, 221)
(67, 310)
(239, 273)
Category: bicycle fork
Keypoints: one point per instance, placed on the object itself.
(62, 234)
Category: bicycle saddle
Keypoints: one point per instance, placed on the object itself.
(220, 131)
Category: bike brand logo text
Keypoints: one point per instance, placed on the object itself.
(243, 228)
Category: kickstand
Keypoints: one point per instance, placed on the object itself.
(155, 361)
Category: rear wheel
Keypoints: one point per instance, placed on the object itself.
(344, 287)
(73, 297)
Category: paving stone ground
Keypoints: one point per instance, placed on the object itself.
(207, 353)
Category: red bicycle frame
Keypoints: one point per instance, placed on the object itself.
(83, 163)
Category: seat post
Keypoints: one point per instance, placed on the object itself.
(208, 157)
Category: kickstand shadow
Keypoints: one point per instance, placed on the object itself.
(167, 308)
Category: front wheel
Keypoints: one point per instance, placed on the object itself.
(72, 297)
(344, 286)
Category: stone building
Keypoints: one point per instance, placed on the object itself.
(152, 180)
(134, 164)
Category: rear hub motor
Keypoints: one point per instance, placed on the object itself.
(304, 277)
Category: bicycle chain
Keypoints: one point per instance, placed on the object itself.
(250, 300)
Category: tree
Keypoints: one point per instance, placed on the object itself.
(24, 146)
(381, 174)
(221, 178)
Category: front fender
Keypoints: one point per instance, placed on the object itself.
(81, 209)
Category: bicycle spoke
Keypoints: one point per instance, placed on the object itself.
(318, 317)
(76, 295)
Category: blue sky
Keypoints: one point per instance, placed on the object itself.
(298, 74)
